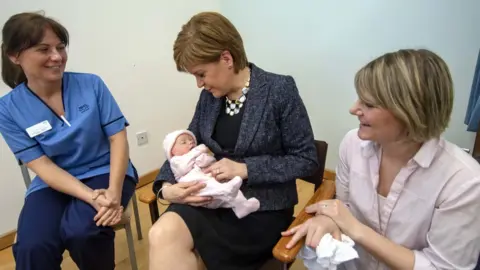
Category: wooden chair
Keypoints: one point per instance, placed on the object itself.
(123, 224)
(323, 190)
(286, 256)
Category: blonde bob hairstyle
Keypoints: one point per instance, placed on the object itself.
(414, 85)
(204, 38)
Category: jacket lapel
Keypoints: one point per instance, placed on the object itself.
(254, 108)
(213, 112)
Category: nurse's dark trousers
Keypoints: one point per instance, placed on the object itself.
(51, 222)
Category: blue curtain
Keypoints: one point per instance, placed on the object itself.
(472, 118)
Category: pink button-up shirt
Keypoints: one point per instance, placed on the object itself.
(432, 208)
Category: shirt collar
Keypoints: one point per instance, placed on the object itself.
(424, 157)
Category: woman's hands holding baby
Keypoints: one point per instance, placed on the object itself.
(226, 169)
(181, 193)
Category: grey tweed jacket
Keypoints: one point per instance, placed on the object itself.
(275, 141)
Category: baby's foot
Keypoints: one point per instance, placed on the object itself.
(253, 204)
(249, 206)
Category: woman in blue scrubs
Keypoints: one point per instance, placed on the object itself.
(68, 129)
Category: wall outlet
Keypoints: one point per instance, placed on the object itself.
(142, 138)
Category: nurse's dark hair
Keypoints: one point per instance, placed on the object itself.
(21, 32)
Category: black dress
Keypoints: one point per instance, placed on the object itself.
(223, 241)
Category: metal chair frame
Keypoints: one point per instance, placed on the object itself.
(128, 229)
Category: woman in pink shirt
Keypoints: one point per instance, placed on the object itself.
(407, 197)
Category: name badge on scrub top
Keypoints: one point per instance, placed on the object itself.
(38, 129)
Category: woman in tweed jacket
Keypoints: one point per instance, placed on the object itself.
(258, 128)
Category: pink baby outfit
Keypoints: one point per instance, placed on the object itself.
(188, 167)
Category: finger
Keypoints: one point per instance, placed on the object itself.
(324, 208)
(114, 218)
(217, 171)
(291, 231)
(312, 208)
(310, 233)
(193, 189)
(105, 217)
(100, 213)
(210, 169)
(337, 235)
(186, 184)
(98, 192)
(222, 177)
(120, 211)
(197, 199)
(199, 204)
(95, 194)
(111, 218)
(118, 217)
(215, 166)
(316, 237)
(325, 211)
(103, 201)
(301, 232)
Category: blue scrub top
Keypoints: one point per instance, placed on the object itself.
(81, 144)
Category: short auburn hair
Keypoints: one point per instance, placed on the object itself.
(415, 86)
(204, 38)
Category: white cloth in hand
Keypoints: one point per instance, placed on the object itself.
(329, 253)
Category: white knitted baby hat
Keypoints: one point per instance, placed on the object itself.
(170, 139)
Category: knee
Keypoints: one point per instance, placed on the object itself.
(83, 232)
(168, 230)
(31, 245)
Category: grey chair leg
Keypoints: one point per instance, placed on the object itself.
(131, 246)
(137, 217)
(26, 175)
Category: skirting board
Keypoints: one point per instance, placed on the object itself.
(7, 239)
(147, 178)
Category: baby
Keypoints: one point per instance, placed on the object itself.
(187, 161)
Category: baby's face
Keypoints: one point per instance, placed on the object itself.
(183, 145)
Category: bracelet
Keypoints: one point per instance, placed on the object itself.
(158, 195)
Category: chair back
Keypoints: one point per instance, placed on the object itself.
(317, 177)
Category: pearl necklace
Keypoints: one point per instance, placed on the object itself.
(233, 106)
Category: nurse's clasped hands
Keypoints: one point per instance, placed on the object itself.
(107, 204)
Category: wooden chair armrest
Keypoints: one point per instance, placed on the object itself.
(146, 196)
(326, 191)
